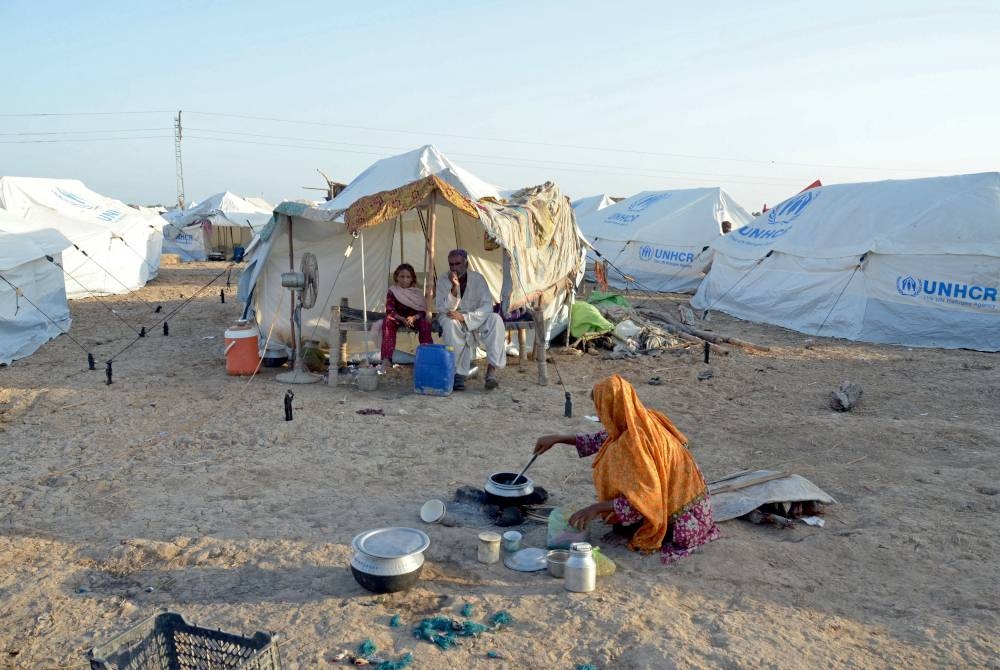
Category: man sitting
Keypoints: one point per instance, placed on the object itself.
(465, 307)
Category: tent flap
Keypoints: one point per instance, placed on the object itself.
(378, 208)
(538, 231)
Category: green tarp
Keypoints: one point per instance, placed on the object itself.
(587, 320)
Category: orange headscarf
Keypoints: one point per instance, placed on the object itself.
(644, 459)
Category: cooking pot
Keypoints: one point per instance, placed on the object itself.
(386, 560)
(275, 355)
(499, 490)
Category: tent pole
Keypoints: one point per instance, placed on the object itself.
(364, 295)
(429, 267)
(399, 227)
(291, 268)
(570, 300)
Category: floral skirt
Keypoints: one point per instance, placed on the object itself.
(690, 528)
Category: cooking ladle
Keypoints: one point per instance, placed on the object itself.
(525, 469)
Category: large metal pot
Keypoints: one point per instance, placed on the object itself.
(386, 560)
(500, 490)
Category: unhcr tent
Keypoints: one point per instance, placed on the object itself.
(114, 248)
(413, 208)
(913, 262)
(659, 238)
(586, 206)
(33, 308)
(223, 223)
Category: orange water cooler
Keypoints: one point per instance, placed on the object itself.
(242, 352)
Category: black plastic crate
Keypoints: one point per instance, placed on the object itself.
(165, 641)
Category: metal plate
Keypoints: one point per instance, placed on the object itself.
(391, 542)
(432, 511)
(531, 559)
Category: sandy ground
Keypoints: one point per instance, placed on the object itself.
(180, 487)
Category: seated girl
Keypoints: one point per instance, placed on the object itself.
(404, 306)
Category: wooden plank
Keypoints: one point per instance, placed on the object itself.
(725, 488)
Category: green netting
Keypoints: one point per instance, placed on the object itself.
(444, 631)
(501, 618)
(403, 661)
(367, 651)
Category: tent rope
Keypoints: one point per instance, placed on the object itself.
(193, 425)
(668, 279)
(138, 255)
(169, 314)
(738, 281)
(108, 272)
(861, 262)
(347, 254)
(18, 292)
(647, 291)
(99, 298)
(267, 340)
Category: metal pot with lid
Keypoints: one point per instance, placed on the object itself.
(501, 491)
(386, 560)
(501, 485)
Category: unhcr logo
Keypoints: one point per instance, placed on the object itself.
(907, 286)
(665, 256)
(779, 221)
(646, 201)
(790, 209)
(942, 291)
(73, 199)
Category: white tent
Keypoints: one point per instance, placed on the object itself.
(586, 206)
(659, 238)
(114, 248)
(224, 222)
(913, 262)
(33, 308)
(260, 203)
(384, 216)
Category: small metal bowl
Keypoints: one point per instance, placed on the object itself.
(556, 561)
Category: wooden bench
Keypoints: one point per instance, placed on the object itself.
(344, 318)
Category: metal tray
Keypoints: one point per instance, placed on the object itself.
(531, 559)
(391, 542)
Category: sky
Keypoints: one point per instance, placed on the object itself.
(759, 98)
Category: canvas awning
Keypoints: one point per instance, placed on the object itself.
(378, 208)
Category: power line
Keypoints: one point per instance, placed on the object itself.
(483, 162)
(84, 139)
(473, 138)
(545, 162)
(39, 114)
(548, 144)
(84, 132)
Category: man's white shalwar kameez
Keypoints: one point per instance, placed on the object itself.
(481, 322)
